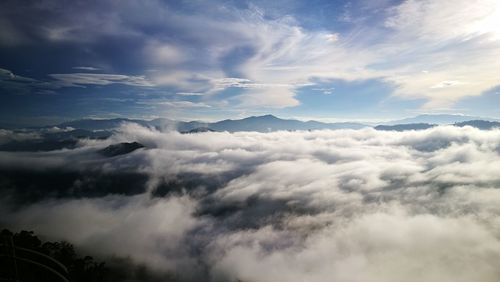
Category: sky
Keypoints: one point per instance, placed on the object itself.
(209, 60)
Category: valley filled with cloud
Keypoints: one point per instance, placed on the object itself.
(324, 205)
(250, 141)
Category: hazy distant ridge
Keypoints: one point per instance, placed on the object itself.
(264, 123)
(267, 123)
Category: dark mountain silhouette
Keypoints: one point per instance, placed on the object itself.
(77, 134)
(38, 145)
(404, 127)
(103, 128)
(481, 124)
(50, 141)
(120, 149)
(183, 126)
(198, 130)
(160, 122)
(268, 123)
(264, 123)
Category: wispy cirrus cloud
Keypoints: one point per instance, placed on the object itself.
(183, 104)
(189, 93)
(13, 84)
(269, 55)
(82, 79)
(87, 68)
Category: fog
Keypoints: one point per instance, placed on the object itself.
(343, 205)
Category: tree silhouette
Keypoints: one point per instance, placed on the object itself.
(75, 267)
(22, 257)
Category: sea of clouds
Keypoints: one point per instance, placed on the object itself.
(343, 205)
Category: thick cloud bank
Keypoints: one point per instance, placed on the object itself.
(344, 205)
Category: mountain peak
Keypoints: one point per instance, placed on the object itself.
(266, 117)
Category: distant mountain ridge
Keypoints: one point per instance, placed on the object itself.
(404, 127)
(68, 134)
(264, 123)
(481, 124)
(438, 119)
(269, 123)
(198, 130)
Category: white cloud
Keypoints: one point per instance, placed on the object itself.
(189, 93)
(7, 75)
(445, 20)
(326, 91)
(81, 79)
(7, 136)
(144, 229)
(16, 84)
(87, 68)
(454, 41)
(451, 40)
(183, 104)
(350, 205)
(160, 53)
(376, 247)
(447, 83)
(333, 37)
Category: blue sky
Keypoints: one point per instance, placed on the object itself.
(333, 60)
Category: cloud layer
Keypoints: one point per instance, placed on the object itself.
(345, 205)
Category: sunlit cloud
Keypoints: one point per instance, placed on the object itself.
(349, 204)
(271, 56)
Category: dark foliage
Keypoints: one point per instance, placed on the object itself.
(120, 149)
(76, 268)
(39, 145)
(25, 186)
